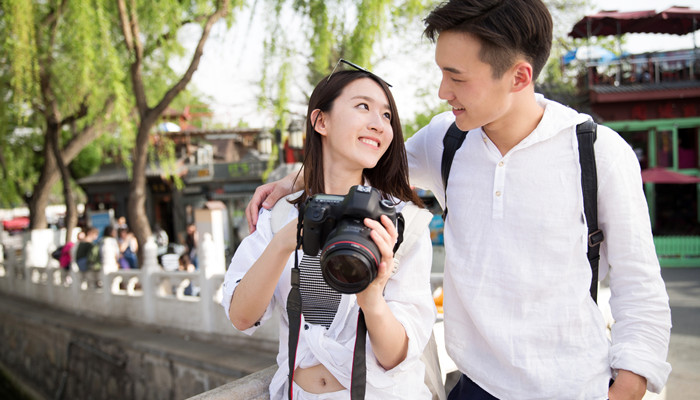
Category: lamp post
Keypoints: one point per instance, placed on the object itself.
(296, 134)
(265, 142)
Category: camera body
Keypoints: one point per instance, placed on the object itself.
(333, 224)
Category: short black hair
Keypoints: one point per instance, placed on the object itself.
(505, 28)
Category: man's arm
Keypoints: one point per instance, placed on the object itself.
(268, 195)
(628, 386)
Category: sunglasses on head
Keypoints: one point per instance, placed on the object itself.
(357, 67)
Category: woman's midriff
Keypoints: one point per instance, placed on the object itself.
(316, 379)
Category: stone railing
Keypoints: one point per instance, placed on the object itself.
(177, 300)
(186, 301)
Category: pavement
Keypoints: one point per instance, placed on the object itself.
(683, 285)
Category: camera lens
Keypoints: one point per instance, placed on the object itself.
(350, 258)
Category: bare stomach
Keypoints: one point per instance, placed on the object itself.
(316, 379)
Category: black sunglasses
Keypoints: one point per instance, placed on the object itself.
(357, 67)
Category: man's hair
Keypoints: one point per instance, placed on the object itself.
(505, 28)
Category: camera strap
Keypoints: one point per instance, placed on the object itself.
(294, 310)
(359, 366)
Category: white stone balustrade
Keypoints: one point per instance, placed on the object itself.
(178, 300)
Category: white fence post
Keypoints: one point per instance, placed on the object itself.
(208, 266)
(149, 266)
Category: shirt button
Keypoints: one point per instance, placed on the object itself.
(500, 164)
(306, 327)
(257, 323)
(498, 194)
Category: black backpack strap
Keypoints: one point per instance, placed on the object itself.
(451, 143)
(586, 135)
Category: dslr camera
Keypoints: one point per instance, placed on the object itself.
(333, 225)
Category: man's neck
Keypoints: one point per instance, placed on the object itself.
(522, 118)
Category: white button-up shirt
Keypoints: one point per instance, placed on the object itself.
(519, 319)
(407, 294)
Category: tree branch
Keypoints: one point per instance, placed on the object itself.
(221, 11)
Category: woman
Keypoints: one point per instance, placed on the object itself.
(353, 137)
(109, 251)
(128, 246)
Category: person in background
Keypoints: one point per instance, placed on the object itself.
(128, 247)
(65, 262)
(82, 254)
(109, 251)
(191, 243)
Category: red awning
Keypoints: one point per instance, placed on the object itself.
(606, 23)
(16, 223)
(663, 175)
(675, 20)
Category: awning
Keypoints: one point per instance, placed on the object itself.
(664, 175)
(675, 20)
(16, 223)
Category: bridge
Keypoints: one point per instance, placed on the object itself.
(140, 335)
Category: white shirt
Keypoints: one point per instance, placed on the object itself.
(407, 293)
(519, 319)
(109, 252)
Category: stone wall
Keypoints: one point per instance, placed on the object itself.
(66, 361)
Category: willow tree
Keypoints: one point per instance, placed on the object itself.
(149, 32)
(65, 81)
(319, 32)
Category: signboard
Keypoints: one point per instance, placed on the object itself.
(101, 219)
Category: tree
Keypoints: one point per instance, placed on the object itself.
(324, 32)
(149, 31)
(66, 81)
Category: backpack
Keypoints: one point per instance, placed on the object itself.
(94, 258)
(56, 254)
(586, 135)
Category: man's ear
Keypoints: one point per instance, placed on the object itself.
(522, 75)
(319, 119)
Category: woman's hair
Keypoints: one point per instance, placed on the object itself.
(109, 231)
(390, 175)
(505, 28)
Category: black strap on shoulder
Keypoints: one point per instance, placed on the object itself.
(451, 143)
(586, 135)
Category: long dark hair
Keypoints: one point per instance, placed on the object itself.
(390, 175)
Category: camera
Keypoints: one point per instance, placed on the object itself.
(333, 225)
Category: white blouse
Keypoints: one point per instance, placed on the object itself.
(407, 293)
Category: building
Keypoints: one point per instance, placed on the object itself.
(653, 101)
(215, 168)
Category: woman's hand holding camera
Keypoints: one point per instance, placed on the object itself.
(386, 333)
(384, 235)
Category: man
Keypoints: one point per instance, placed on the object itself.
(519, 320)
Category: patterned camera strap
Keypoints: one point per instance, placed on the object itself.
(294, 308)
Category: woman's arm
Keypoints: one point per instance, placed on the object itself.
(255, 290)
(387, 335)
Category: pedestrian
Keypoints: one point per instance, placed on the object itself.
(520, 322)
(82, 255)
(128, 247)
(191, 243)
(353, 126)
(109, 251)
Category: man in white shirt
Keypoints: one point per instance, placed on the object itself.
(519, 320)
